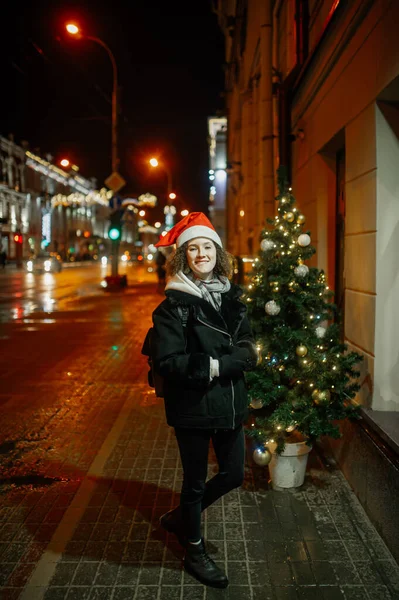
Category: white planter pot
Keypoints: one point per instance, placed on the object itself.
(287, 470)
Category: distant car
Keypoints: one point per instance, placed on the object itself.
(48, 262)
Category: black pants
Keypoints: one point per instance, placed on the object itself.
(197, 493)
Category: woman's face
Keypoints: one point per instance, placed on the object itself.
(201, 257)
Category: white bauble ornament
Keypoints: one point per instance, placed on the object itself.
(262, 456)
(256, 403)
(320, 332)
(304, 239)
(301, 270)
(266, 245)
(272, 308)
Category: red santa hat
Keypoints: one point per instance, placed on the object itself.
(194, 225)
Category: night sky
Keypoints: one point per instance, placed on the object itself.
(57, 92)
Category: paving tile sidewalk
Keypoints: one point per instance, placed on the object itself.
(316, 543)
(103, 541)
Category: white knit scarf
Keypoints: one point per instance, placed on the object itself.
(212, 289)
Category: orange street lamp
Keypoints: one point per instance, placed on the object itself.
(64, 162)
(74, 30)
(155, 163)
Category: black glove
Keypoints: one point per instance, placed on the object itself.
(246, 351)
(234, 364)
(250, 347)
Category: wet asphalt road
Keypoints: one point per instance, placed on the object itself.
(63, 345)
(23, 293)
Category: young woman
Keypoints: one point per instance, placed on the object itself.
(202, 358)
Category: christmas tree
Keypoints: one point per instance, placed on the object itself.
(305, 379)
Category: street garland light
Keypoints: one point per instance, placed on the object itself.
(64, 162)
(74, 30)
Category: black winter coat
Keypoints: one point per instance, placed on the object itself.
(182, 357)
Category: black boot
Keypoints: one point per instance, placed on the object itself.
(199, 564)
(172, 522)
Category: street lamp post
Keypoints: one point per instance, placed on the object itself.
(74, 30)
(155, 163)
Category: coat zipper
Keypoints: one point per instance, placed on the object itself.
(216, 329)
(234, 412)
(238, 326)
(231, 381)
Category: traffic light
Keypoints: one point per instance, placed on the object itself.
(115, 228)
(18, 238)
(114, 233)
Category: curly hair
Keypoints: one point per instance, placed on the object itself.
(178, 262)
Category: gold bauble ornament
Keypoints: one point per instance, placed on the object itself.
(256, 403)
(321, 396)
(289, 216)
(262, 456)
(301, 350)
(300, 219)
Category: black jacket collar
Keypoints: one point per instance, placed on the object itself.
(232, 309)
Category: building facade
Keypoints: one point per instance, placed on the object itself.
(314, 85)
(217, 140)
(53, 209)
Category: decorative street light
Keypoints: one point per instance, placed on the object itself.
(75, 31)
(64, 162)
